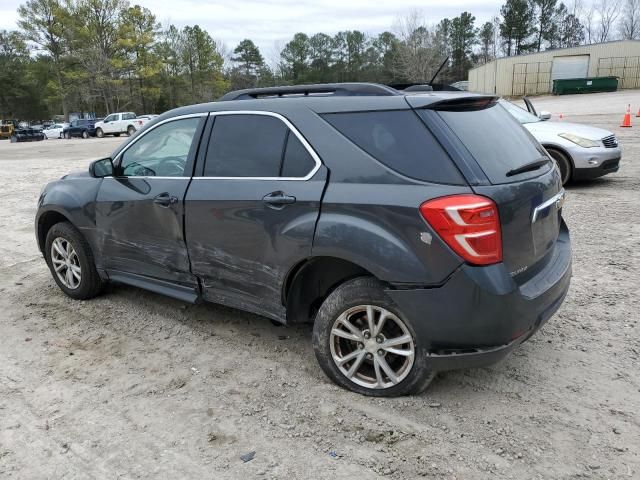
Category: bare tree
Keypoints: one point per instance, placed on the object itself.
(608, 11)
(589, 25)
(630, 21)
(419, 56)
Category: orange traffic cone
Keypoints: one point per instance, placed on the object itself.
(626, 121)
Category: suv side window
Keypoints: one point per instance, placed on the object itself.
(110, 118)
(245, 146)
(400, 140)
(128, 116)
(297, 161)
(163, 152)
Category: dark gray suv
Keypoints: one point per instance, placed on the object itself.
(417, 232)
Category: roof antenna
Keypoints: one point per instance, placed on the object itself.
(438, 71)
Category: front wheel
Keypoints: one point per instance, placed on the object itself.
(564, 164)
(363, 342)
(67, 135)
(71, 262)
(99, 133)
(85, 134)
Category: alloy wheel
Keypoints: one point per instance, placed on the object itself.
(372, 347)
(66, 263)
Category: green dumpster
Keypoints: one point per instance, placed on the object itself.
(585, 85)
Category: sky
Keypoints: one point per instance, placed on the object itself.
(271, 23)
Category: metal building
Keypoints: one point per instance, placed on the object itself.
(534, 73)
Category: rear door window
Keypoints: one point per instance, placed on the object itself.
(255, 146)
(399, 140)
(497, 141)
(245, 146)
(297, 161)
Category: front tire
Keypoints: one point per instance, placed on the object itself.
(85, 134)
(67, 135)
(99, 133)
(564, 164)
(364, 344)
(71, 262)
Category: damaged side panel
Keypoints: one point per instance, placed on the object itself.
(241, 247)
(135, 234)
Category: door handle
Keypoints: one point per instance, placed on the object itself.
(165, 200)
(278, 199)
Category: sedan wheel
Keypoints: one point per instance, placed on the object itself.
(564, 165)
(66, 263)
(372, 347)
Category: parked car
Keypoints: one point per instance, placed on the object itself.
(6, 130)
(418, 233)
(118, 123)
(27, 135)
(55, 130)
(83, 127)
(461, 85)
(581, 151)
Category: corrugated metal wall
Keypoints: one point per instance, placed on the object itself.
(531, 74)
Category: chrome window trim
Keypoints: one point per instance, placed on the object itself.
(307, 146)
(283, 119)
(118, 158)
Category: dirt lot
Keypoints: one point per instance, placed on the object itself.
(134, 385)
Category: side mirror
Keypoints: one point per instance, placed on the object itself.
(544, 115)
(101, 168)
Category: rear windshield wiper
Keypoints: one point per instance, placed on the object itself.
(528, 167)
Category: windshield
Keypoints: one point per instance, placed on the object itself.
(520, 113)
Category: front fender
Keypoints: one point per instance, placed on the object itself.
(72, 198)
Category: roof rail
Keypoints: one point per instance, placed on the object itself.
(336, 89)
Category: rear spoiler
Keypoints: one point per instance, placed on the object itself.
(464, 104)
(453, 103)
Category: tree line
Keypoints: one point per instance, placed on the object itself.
(109, 55)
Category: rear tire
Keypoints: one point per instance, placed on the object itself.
(564, 164)
(362, 360)
(67, 135)
(116, 134)
(99, 133)
(81, 263)
(13, 139)
(131, 130)
(85, 134)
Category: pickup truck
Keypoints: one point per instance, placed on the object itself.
(117, 123)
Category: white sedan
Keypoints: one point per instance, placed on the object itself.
(581, 151)
(55, 130)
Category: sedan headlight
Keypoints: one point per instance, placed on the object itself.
(583, 142)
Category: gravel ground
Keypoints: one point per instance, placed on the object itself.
(135, 385)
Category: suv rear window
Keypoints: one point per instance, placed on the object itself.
(398, 139)
(496, 140)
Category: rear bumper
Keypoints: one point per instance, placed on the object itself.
(480, 314)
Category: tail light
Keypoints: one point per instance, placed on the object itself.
(469, 224)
